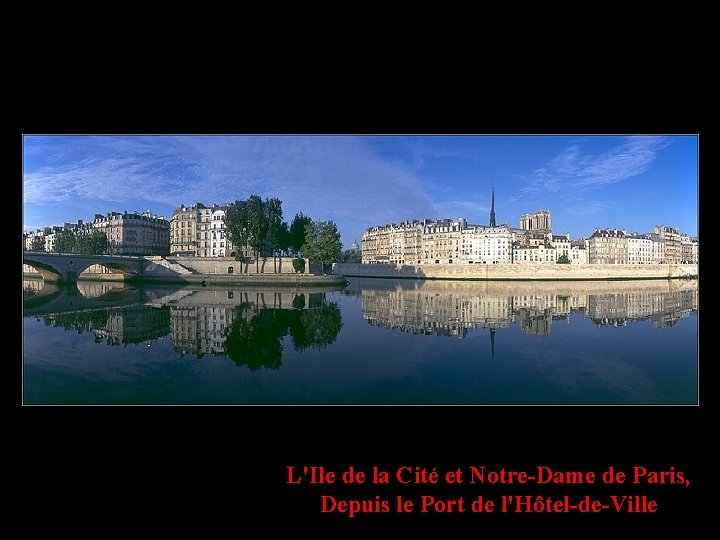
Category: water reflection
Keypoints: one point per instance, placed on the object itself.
(373, 342)
(115, 326)
(246, 325)
(253, 338)
(454, 308)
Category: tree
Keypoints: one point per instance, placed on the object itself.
(65, 241)
(298, 264)
(240, 223)
(236, 224)
(98, 242)
(351, 256)
(284, 237)
(257, 227)
(322, 242)
(257, 224)
(94, 243)
(297, 232)
(38, 244)
(563, 259)
(272, 210)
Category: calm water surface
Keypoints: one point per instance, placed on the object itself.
(372, 342)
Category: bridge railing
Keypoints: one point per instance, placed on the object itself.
(104, 255)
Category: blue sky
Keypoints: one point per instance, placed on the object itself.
(586, 181)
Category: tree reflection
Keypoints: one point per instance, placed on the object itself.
(254, 338)
(82, 321)
(315, 328)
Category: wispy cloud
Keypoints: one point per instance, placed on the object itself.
(575, 169)
(586, 209)
(324, 177)
(421, 149)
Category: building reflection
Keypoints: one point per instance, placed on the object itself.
(201, 321)
(453, 308)
(663, 309)
(251, 327)
(245, 325)
(116, 326)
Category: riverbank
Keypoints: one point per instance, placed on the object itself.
(519, 272)
(240, 280)
(235, 280)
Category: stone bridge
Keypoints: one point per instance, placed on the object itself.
(65, 268)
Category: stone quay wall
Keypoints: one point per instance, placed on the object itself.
(220, 265)
(509, 272)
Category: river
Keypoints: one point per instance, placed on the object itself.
(373, 342)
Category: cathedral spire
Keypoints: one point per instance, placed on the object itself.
(492, 209)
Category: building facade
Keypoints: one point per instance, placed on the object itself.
(200, 231)
(134, 233)
(561, 244)
(542, 254)
(671, 238)
(442, 241)
(640, 249)
(608, 246)
(486, 245)
(578, 251)
(689, 249)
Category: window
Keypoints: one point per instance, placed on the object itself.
(230, 271)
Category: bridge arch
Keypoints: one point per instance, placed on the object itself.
(46, 271)
(67, 267)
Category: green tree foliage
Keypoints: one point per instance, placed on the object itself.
(38, 244)
(65, 241)
(284, 237)
(237, 225)
(257, 224)
(297, 232)
(350, 256)
(272, 210)
(94, 243)
(298, 265)
(322, 242)
(563, 259)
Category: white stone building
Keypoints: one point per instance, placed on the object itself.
(542, 254)
(578, 253)
(561, 245)
(608, 246)
(486, 245)
(200, 231)
(640, 249)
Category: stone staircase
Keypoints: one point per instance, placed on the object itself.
(159, 266)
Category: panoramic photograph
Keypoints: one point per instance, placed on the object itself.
(327, 270)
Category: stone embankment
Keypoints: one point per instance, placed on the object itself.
(524, 272)
(228, 271)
